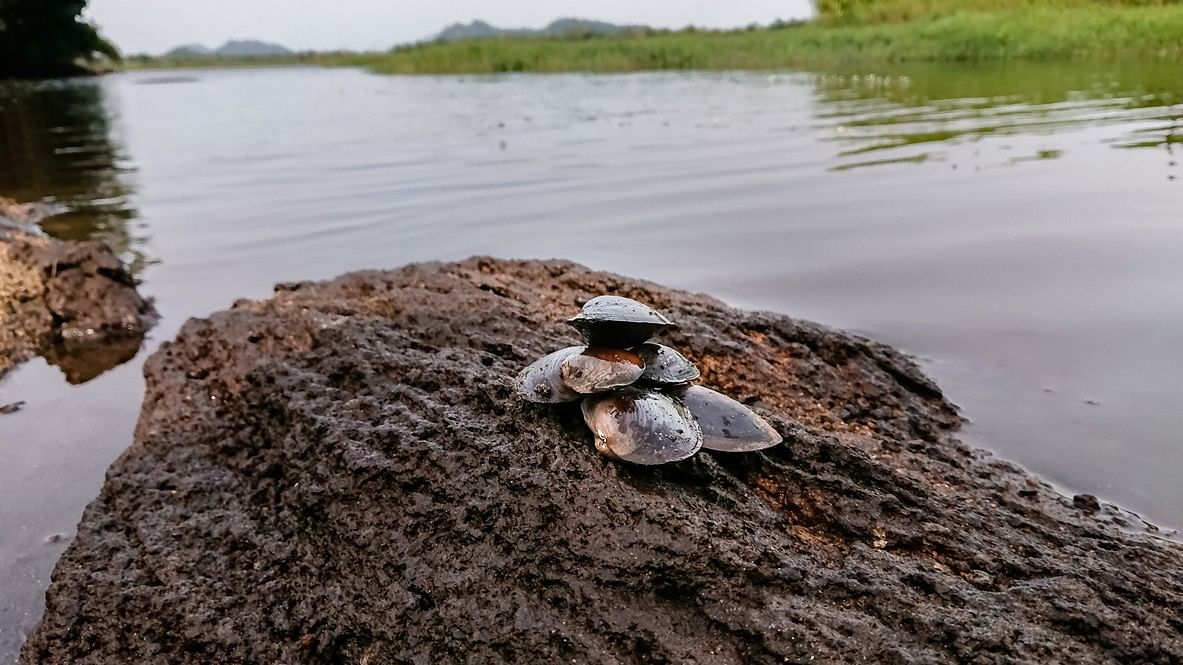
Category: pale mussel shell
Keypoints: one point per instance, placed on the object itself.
(570, 373)
(618, 321)
(641, 426)
(726, 424)
(664, 365)
(541, 381)
(600, 368)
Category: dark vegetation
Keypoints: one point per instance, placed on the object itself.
(49, 38)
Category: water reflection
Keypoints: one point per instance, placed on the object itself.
(57, 142)
(916, 113)
(59, 148)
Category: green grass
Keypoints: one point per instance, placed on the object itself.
(891, 11)
(847, 32)
(300, 59)
(1090, 31)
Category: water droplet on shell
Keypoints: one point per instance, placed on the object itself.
(541, 382)
(597, 369)
(665, 365)
(618, 321)
(725, 423)
(641, 426)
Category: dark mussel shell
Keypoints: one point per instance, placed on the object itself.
(599, 368)
(641, 426)
(541, 380)
(618, 321)
(726, 424)
(665, 365)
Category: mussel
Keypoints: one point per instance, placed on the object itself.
(664, 365)
(641, 426)
(725, 423)
(637, 400)
(568, 374)
(618, 321)
(600, 368)
(541, 380)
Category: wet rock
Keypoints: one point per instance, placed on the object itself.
(72, 302)
(12, 407)
(1086, 502)
(24, 217)
(360, 483)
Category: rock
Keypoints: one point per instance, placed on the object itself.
(24, 216)
(11, 407)
(343, 473)
(1086, 502)
(72, 302)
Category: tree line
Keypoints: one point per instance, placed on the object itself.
(49, 38)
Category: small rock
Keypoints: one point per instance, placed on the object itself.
(72, 302)
(1086, 502)
(10, 408)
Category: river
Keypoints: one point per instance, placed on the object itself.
(1019, 228)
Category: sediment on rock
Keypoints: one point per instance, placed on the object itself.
(343, 473)
(72, 302)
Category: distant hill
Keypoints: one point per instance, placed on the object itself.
(235, 48)
(245, 48)
(558, 28)
(190, 51)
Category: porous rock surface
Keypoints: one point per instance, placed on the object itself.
(73, 302)
(343, 473)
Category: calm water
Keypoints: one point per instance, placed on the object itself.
(1018, 229)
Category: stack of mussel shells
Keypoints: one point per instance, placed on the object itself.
(638, 396)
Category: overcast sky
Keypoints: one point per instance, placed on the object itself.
(154, 26)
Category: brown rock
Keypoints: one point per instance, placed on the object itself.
(1086, 502)
(16, 212)
(343, 473)
(72, 302)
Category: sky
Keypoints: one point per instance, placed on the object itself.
(154, 26)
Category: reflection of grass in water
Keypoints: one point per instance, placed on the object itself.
(913, 159)
(1164, 136)
(904, 140)
(991, 85)
(1039, 156)
(57, 146)
(1159, 142)
(905, 106)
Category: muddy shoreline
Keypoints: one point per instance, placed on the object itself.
(343, 472)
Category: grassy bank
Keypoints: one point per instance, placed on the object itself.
(891, 11)
(1077, 31)
(846, 32)
(295, 60)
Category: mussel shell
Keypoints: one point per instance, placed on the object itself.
(599, 368)
(541, 380)
(665, 365)
(641, 426)
(725, 423)
(618, 321)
